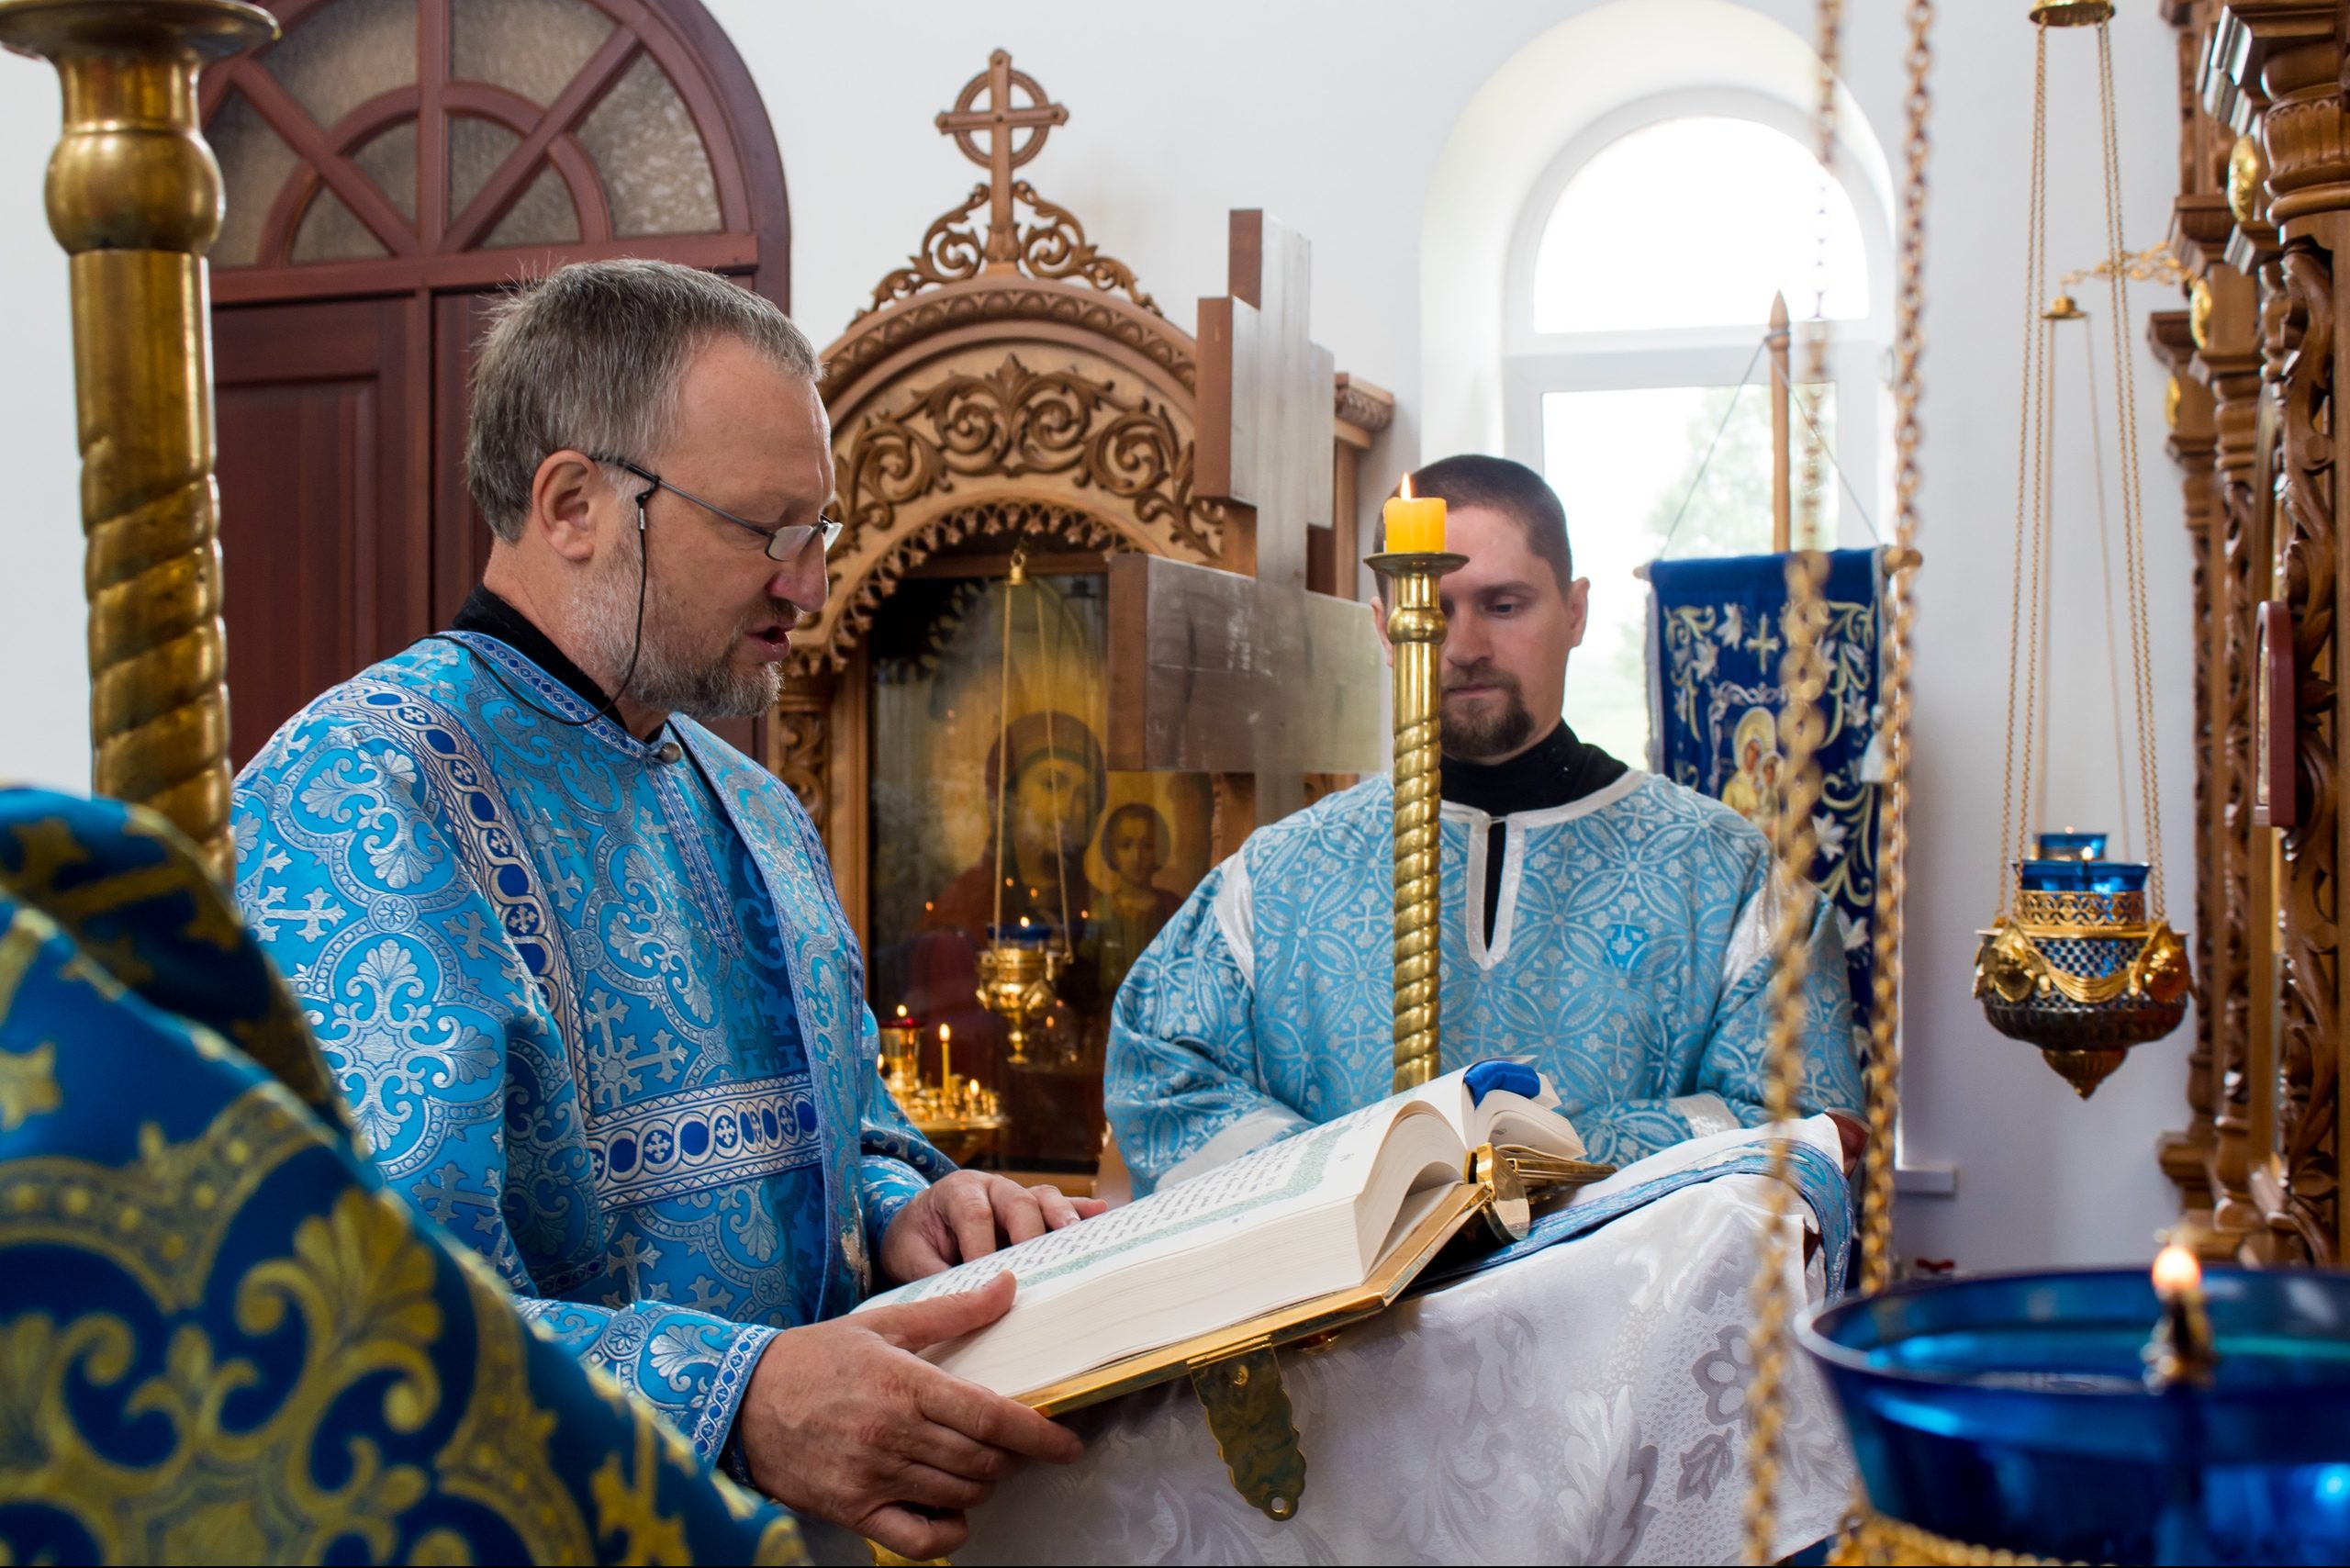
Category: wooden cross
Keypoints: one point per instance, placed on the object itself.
(1242, 672)
(967, 119)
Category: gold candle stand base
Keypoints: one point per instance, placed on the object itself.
(1416, 628)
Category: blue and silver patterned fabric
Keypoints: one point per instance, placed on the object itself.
(594, 1004)
(221, 1337)
(1627, 962)
(1716, 644)
(1817, 1180)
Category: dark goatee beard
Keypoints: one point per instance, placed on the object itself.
(1477, 734)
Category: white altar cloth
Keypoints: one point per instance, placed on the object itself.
(1582, 1404)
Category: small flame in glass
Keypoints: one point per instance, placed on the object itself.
(1023, 922)
(2177, 1273)
(901, 1010)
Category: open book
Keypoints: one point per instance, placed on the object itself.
(1352, 1208)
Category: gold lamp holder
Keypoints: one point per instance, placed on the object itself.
(134, 198)
(1416, 627)
(1016, 981)
(2083, 970)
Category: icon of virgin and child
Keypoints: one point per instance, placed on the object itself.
(1060, 865)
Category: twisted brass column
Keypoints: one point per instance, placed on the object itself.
(134, 198)
(1416, 634)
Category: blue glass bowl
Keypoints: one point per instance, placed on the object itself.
(2081, 876)
(2011, 1412)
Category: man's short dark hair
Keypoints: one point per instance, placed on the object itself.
(1511, 488)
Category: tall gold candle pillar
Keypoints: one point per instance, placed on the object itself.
(1416, 636)
(134, 198)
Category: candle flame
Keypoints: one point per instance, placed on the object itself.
(1023, 922)
(1406, 493)
(2175, 1271)
(946, 1033)
(901, 1010)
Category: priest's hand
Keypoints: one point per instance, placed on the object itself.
(844, 1422)
(968, 1214)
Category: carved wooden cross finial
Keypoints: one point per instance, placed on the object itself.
(965, 119)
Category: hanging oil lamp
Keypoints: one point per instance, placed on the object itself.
(2079, 958)
(1022, 963)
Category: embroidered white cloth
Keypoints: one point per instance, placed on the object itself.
(1583, 1404)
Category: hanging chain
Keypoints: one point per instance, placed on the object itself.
(1804, 679)
(2133, 550)
(1052, 701)
(2105, 583)
(1003, 734)
(1893, 795)
(2035, 269)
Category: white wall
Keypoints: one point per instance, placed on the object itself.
(1335, 120)
(45, 726)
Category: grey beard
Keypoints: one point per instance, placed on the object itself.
(668, 677)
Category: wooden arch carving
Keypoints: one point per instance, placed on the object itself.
(1009, 384)
(412, 215)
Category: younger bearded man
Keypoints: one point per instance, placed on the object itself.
(1607, 926)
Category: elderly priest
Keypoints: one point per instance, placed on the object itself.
(577, 964)
(1607, 926)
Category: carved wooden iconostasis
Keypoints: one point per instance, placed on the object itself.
(1013, 389)
(2264, 193)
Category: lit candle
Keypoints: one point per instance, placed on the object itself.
(946, 1056)
(2181, 1349)
(1414, 526)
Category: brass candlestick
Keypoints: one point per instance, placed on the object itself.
(1416, 634)
(134, 198)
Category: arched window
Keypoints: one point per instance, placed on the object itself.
(1640, 285)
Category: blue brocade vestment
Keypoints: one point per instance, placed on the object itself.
(1627, 961)
(222, 1340)
(594, 1004)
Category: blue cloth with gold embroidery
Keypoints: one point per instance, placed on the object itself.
(1628, 963)
(594, 1004)
(221, 1338)
(1716, 646)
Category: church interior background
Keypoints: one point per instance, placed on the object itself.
(1548, 229)
(1422, 158)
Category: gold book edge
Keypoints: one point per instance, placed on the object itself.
(1299, 1320)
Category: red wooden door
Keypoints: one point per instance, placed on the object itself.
(321, 513)
(389, 165)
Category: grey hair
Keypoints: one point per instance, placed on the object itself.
(591, 358)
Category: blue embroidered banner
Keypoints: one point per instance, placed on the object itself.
(1716, 641)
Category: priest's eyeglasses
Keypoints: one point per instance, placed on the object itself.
(783, 543)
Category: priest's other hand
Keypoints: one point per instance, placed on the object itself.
(968, 1214)
(844, 1422)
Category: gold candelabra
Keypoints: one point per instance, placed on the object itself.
(1415, 629)
(134, 198)
(958, 1115)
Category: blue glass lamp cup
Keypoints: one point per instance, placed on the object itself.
(2011, 1412)
(1035, 933)
(2081, 876)
(2070, 846)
